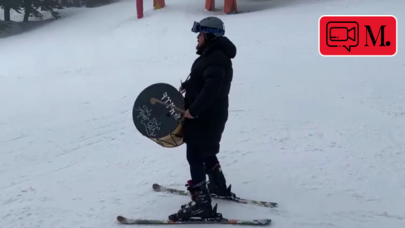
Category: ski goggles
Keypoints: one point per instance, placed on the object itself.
(198, 28)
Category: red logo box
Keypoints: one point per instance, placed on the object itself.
(358, 35)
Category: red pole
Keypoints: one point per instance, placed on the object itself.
(162, 3)
(139, 8)
(230, 6)
(210, 5)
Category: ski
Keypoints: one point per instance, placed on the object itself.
(224, 221)
(160, 188)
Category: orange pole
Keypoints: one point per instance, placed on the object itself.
(230, 6)
(162, 3)
(158, 4)
(210, 5)
(139, 8)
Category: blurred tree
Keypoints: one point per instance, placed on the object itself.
(8, 5)
(32, 8)
(95, 3)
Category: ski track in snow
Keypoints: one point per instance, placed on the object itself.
(325, 142)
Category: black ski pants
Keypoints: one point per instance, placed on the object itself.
(200, 158)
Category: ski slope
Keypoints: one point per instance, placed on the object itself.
(323, 137)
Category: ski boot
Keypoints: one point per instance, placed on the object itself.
(217, 184)
(199, 208)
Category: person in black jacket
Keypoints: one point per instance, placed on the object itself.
(206, 98)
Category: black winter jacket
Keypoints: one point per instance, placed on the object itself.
(207, 91)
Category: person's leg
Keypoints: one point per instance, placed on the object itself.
(217, 181)
(211, 161)
(196, 162)
(200, 206)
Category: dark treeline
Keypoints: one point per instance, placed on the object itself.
(33, 8)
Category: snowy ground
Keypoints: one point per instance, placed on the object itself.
(323, 137)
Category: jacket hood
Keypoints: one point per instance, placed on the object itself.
(222, 44)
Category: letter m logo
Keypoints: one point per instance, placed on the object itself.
(380, 34)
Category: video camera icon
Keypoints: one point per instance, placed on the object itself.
(342, 34)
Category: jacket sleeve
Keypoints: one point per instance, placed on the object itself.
(214, 78)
